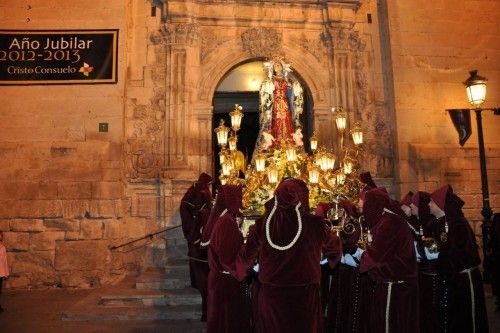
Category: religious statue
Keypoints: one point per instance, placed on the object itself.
(281, 104)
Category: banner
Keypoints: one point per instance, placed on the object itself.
(461, 121)
(58, 56)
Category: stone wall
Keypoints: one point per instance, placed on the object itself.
(433, 47)
(62, 193)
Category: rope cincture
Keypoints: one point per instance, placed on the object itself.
(268, 232)
(203, 244)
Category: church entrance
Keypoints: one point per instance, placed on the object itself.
(241, 86)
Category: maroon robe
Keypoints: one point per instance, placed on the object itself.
(464, 308)
(391, 263)
(228, 306)
(193, 210)
(432, 287)
(289, 294)
(350, 291)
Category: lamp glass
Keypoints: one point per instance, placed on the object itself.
(357, 134)
(476, 88)
(272, 175)
(314, 142)
(476, 93)
(222, 132)
(323, 162)
(226, 168)
(291, 154)
(260, 163)
(313, 175)
(331, 161)
(236, 117)
(340, 118)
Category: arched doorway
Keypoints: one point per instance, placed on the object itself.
(240, 85)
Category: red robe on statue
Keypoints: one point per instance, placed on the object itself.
(281, 121)
(288, 242)
(228, 305)
(391, 263)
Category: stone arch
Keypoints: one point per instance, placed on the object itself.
(222, 62)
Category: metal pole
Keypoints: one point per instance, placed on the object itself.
(486, 212)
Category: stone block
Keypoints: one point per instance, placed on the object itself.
(133, 228)
(25, 262)
(16, 241)
(112, 229)
(111, 174)
(45, 240)
(75, 208)
(17, 282)
(83, 255)
(91, 229)
(74, 190)
(39, 208)
(36, 190)
(72, 235)
(4, 225)
(107, 190)
(102, 209)
(62, 224)
(27, 225)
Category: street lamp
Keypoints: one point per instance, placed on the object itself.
(476, 92)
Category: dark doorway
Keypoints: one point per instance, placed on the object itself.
(247, 135)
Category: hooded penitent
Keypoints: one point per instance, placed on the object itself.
(223, 289)
(459, 260)
(229, 199)
(288, 242)
(391, 263)
(375, 201)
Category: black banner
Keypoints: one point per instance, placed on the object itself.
(58, 56)
(461, 121)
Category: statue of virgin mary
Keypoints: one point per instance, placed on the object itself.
(281, 104)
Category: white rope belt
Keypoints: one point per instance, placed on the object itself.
(203, 244)
(268, 232)
(472, 301)
(387, 306)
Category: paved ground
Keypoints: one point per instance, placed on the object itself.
(39, 311)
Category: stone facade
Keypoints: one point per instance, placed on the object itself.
(432, 51)
(68, 192)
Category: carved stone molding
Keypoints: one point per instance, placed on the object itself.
(345, 39)
(144, 145)
(184, 34)
(210, 42)
(262, 42)
(316, 47)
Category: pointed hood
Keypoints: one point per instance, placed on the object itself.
(375, 201)
(407, 199)
(449, 202)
